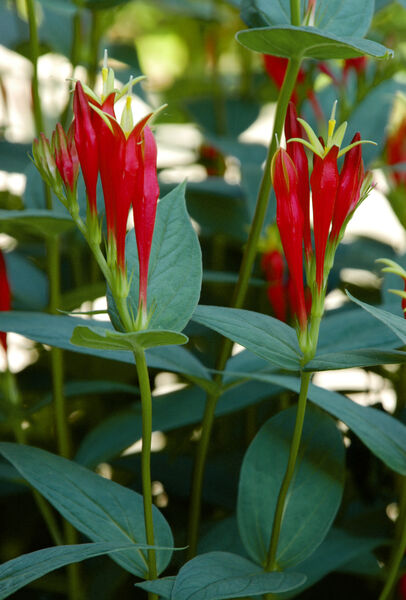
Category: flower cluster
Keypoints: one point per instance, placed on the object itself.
(5, 296)
(335, 195)
(124, 156)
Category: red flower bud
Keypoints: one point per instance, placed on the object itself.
(144, 208)
(66, 157)
(86, 144)
(348, 193)
(293, 129)
(324, 183)
(5, 296)
(289, 218)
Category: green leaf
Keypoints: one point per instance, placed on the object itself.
(342, 17)
(315, 492)
(57, 331)
(381, 433)
(170, 411)
(175, 266)
(355, 358)
(265, 336)
(339, 548)
(353, 329)
(222, 575)
(395, 323)
(29, 285)
(114, 340)
(308, 42)
(43, 222)
(163, 587)
(101, 509)
(18, 572)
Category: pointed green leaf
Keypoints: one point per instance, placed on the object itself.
(308, 42)
(19, 572)
(106, 339)
(101, 509)
(57, 331)
(355, 358)
(395, 323)
(222, 575)
(265, 336)
(315, 492)
(36, 221)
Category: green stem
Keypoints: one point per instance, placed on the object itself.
(198, 474)
(295, 13)
(34, 52)
(271, 564)
(237, 301)
(146, 401)
(399, 548)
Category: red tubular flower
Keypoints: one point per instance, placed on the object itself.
(5, 296)
(277, 298)
(324, 183)
(289, 218)
(144, 208)
(349, 187)
(396, 151)
(293, 129)
(402, 587)
(66, 156)
(86, 144)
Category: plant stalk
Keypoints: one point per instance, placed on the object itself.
(295, 13)
(238, 300)
(146, 401)
(271, 564)
(399, 548)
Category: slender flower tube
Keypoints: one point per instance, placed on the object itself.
(289, 218)
(349, 188)
(5, 297)
(144, 208)
(293, 129)
(86, 145)
(324, 182)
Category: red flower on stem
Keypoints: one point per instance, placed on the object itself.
(86, 144)
(125, 155)
(5, 296)
(290, 221)
(293, 129)
(348, 193)
(324, 183)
